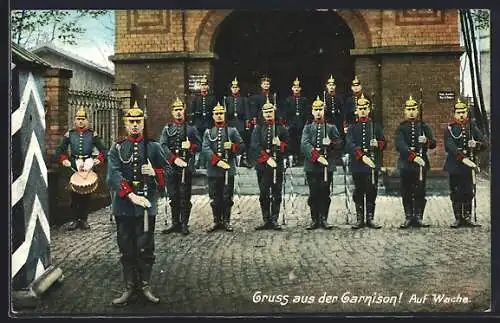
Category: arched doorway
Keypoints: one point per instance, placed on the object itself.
(309, 45)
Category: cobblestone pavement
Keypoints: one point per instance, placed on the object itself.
(224, 272)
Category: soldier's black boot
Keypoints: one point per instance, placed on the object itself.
(266, 216)
(244, 160)
(216, 213)
(83, 224)
(185, 220)
(457, 212)
(146, 289)
(370, 215)
(128, 277)
(226, 219)
(176, 224)
(408, 215)
(323, 216)
(275, 213)
(360, 216)
(468, 216)
(420, 214)
(314, 218)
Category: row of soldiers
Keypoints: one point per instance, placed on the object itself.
(294, 111)
(139, 169)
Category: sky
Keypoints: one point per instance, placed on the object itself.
(97, 43)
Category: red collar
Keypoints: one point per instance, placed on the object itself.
(296, 95)
(320, 121)
(82, 130)
(236, 95)
(179, 122)
(203, 93)
(365, 119)
(270, 122)
(220, 124)
(135, 139)
(265, 92)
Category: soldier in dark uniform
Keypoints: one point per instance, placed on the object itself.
(296, 111)
(136, 173)
(237, 113)
(221, 144)
(200, 110)
(81, 141)
(268, 145)
(333, 106)
(413, 139)
(180, 141)
(258, 100)
(318, 143)
(350, 103)
(365, 157)
(462, 141)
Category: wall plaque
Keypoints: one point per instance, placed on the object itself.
(446, 96)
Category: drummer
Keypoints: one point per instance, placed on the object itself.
(81, 141)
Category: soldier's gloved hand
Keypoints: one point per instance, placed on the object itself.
(327, 141)
(222, 164)
(180, 162)
(88, 164)
(227, 145)
(79, 164)
(148, 169)
(472, 143)
(186, 144)
(419, 160)
(374, 143)
(276, 141)
(368, 161)
(322, 160)
(139, 200)
(422, 139)
(66, 163)
(469, 162)
(271, 162)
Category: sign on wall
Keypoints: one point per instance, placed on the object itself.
(194, 82)
(446, 96)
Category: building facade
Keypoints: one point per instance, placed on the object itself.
(393, 52)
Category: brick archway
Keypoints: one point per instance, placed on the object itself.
(208, 29)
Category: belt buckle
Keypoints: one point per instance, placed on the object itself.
(219, 154)
(297, 113)
(204, 114)
(412, 148)
(268, 151)
(465, 151)
(365, 150)
(136, 183)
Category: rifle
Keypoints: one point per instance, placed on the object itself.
(226, 151)
(145, 178)
(284, 187)
(273, 149)
(473, 157)
(421, 175)
(184, 153)
(373, 136)
(325, 152)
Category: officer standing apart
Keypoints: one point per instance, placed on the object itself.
(413, 139)
(237, 113)
(180, 142)
(221, 144)
(462, 141)
(137, 178)
(364, 142)
(319, 142)
(268, 145)
(334, 112)
(258, 100)
(296, 112)
(81, 141)
(200, 110)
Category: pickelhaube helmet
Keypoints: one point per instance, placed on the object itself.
(218, 108)
(362, 101)
(356, 82)
(318, 103)
(204, 80)
(234, 83)
(268, 106)
(460, 105)
(135, 113)
(331, 80)
(296, 82)
(177, 103)
(411, 103)
(81, 113)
